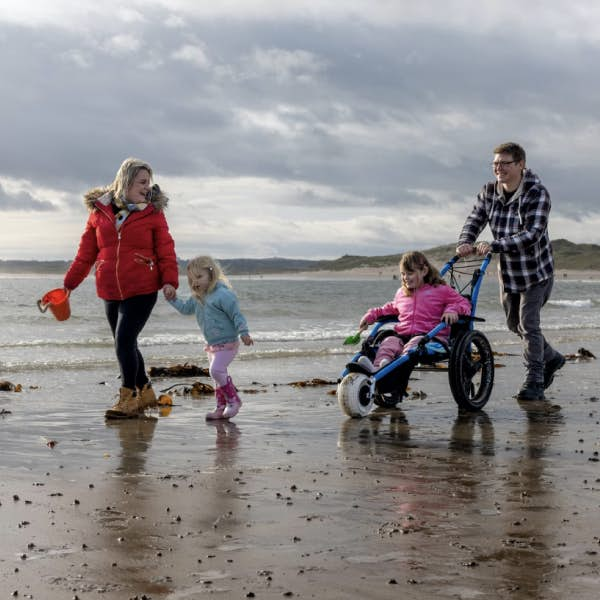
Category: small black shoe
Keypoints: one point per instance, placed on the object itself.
(388, 401)
(531, 391)
(550, 368)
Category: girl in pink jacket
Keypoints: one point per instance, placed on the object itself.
(423, 301)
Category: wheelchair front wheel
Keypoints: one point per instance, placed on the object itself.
(471, 371)
(354, 395)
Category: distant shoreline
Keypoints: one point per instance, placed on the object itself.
(360, 273)
(391, 272)
(583, 259)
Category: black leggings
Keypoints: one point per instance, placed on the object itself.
(127, 319)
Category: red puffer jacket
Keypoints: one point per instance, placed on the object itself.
(139, 258)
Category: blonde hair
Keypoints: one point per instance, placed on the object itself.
(207, 263)
(414, 261)
(127, 172)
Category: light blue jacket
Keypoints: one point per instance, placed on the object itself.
(219, 316)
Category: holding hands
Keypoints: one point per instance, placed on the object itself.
(169, 292)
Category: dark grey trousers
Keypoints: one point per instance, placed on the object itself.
(523, 318)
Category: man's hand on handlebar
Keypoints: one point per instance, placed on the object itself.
(480, 248)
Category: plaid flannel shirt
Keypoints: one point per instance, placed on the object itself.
(520, 230)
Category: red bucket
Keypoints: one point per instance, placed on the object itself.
(58, 302)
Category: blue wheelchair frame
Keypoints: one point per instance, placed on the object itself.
(429, 351)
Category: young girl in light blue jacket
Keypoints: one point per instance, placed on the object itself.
(218, 314)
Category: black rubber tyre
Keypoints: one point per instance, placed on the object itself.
(471, 370)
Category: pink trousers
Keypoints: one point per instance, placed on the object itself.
(219, 358)
(393, 347)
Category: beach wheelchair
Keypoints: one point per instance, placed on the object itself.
(467, 355)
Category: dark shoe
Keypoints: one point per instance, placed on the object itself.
(388, 401)
(531, 391)
(551, 367)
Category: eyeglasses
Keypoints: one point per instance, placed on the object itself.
(502, 163)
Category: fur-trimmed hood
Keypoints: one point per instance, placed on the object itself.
(104, 195)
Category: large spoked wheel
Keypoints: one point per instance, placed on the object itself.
(471, 371)
(354, 395)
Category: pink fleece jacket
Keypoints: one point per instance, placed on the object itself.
(423, 310)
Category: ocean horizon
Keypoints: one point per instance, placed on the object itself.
(287, 317)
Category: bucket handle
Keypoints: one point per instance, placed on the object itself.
(44, 307)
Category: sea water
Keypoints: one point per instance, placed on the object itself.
(289, 318)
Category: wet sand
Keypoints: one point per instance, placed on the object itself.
(295, 500)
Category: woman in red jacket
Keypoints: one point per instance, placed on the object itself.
(127, 239)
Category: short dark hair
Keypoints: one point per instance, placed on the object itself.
(511, 148)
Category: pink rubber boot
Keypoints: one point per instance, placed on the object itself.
(221, 405)
(233, 400)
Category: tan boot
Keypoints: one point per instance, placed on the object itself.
(147, 397)
(126, 407)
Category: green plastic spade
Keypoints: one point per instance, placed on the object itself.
(352, 339)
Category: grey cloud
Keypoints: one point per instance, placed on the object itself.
(311, 198)
(23, 202)
(71, 122)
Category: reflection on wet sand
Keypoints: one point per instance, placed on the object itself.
(465, 515)
(427, 481)
(430, 496)
(381, 433)
(135, 438)
(227, 439)
(531, 524)
(219, 502)
(138, 530)
(471, 448)
(126, 522)
(463, 434)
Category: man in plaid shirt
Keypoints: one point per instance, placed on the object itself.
(516, 207)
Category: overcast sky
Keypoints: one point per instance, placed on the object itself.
(298, 129)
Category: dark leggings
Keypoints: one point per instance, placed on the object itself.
(127, 319)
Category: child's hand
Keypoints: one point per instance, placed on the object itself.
(450, 318)
(363, 325)
(169, 292)
(248, 341)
